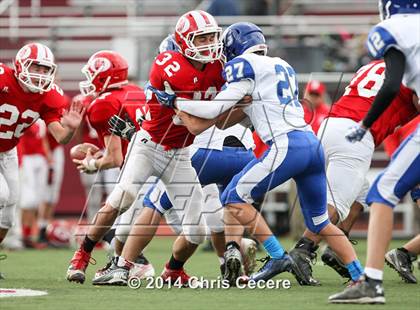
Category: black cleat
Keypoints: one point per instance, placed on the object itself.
(303, 255)
(401, 261)
(271, 268)
(233, 265)
(367, 291)
(332, 260)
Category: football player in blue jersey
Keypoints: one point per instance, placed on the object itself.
(295, 152)
(396, 39)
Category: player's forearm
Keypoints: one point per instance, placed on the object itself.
(61, 134)
(395, 64)
(196, 125)
(225, 100)
(230, 118)
(108, 162)
(113, 157)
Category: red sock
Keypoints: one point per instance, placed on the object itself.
(26, 232)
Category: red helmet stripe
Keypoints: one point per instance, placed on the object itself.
(206, 17)
(199, 19)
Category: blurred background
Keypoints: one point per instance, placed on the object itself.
(322, 40)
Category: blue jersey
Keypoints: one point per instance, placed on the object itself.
(401, 31)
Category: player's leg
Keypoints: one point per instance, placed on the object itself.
(312, 195)
(342, 158)
(138, 167)
(29, 199)
(54, 181)
(185, 192)
(401, 259)
(9, 181)
(261, 175)
(156, 203)
(400, 176)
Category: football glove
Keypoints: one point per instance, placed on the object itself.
(165, 97)
(355, 133)
(121, 128)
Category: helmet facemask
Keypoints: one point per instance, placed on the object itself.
(88, 87)
(36, 82)
(204, 53)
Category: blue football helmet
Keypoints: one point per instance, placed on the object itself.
(168, 44)
(387, 8)
(241, 38)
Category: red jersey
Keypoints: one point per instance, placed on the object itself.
(19, 110)
(359, 96)
(392, 142)
(124, 101)
(314, 117)
(187, 82)
(31, 142)
(260, 146)
(52, 143)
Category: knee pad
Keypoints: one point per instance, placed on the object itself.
(213, 209)
(122, 196)
(195, 234)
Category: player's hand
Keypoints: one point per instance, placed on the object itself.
(356, 133)
(86, 165)
(73, 116)
(165, 97)
(122, 128)
(245, 101)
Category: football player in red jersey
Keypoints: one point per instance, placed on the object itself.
(346, 196)
(160, 147)
(107, 82)
(28, 93)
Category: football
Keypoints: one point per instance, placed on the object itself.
(79, 151)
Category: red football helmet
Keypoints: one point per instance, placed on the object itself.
(193, 24)
(59, 234)
(35, 80)
(104, 70)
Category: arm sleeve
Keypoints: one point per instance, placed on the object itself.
(226, 99)
(395, 64)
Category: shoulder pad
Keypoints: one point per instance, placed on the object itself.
(379, 41)
(237, 69)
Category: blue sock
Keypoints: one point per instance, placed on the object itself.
(273, 247)
(355, 269)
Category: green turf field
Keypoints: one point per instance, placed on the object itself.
(45, 270)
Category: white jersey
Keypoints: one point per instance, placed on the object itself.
(271, 81)
(275, 109)
(213, 137)
(401, 31)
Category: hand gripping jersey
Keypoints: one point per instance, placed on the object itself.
(126, 101)
(401, 31)
(359, 95)
(187, 82)
(19, 110)
(275, 109)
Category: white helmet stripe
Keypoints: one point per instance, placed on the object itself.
(211, 19)
(40, 52)
(199, 20)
